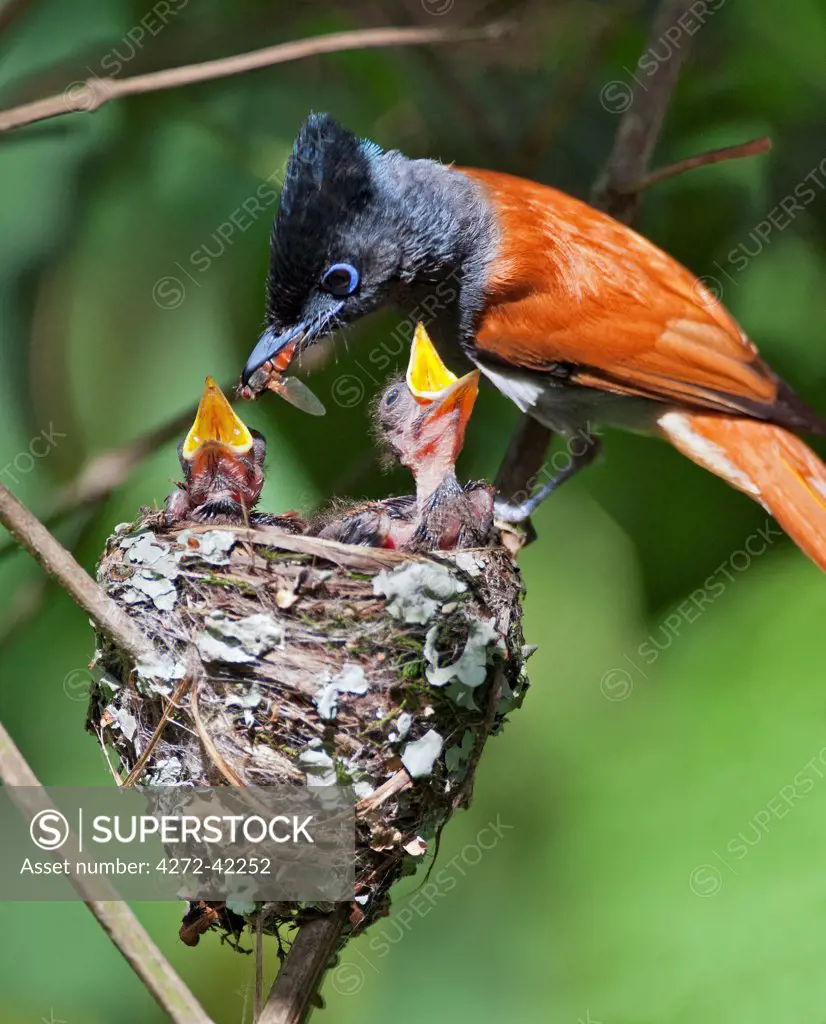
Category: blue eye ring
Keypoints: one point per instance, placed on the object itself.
(340, 279)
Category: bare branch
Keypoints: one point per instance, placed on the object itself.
(11, 11)
(92, 94)
(292, 996)
(616, 192)
(113, 915)
(642, 122)
(294, 990)
(28, 531)
(715, 156)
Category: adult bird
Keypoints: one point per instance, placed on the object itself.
(572, 315)
(223, 465)
(422, 421)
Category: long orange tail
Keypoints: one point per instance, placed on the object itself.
(767, 462)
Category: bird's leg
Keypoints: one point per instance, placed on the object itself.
(587, 449)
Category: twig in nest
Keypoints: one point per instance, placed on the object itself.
(370, 559)
(397, 783)
(171, 705)
(209, 746)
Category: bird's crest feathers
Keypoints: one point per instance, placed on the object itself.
(328, 180)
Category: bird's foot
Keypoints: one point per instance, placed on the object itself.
(511, 513)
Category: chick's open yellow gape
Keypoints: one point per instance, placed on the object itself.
(430, 381)
(427, 375)
(216, 421)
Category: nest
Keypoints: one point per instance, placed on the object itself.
(384, 670)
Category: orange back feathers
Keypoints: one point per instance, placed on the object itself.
(572, 285)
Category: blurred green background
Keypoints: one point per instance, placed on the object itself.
(657, 866)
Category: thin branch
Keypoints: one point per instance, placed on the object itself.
(640, 125)
(627, 166)
(29, 532)
(94, 92)
(294, 991)
(113, 915)
(258, 999)
(11, 11)
(715, 156)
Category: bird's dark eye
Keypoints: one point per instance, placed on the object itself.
(392, 395)
(340, 279)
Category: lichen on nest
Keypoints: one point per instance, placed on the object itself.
(315, 662)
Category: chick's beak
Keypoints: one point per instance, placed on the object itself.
(432, 383)
(216, 421)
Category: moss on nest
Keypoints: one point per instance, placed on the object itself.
(315, 661)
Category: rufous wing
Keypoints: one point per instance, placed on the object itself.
(570, 285)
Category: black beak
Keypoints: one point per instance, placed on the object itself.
(268, 347)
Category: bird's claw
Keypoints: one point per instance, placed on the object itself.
(510, 513)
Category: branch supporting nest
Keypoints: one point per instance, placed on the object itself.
(31, 534)
(294, 992)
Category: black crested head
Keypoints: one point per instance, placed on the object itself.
(358, 228)
(329, 183)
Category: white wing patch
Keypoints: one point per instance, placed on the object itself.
(705, 453)
(523, 390)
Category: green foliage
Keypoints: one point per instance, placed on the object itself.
(627, 779)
